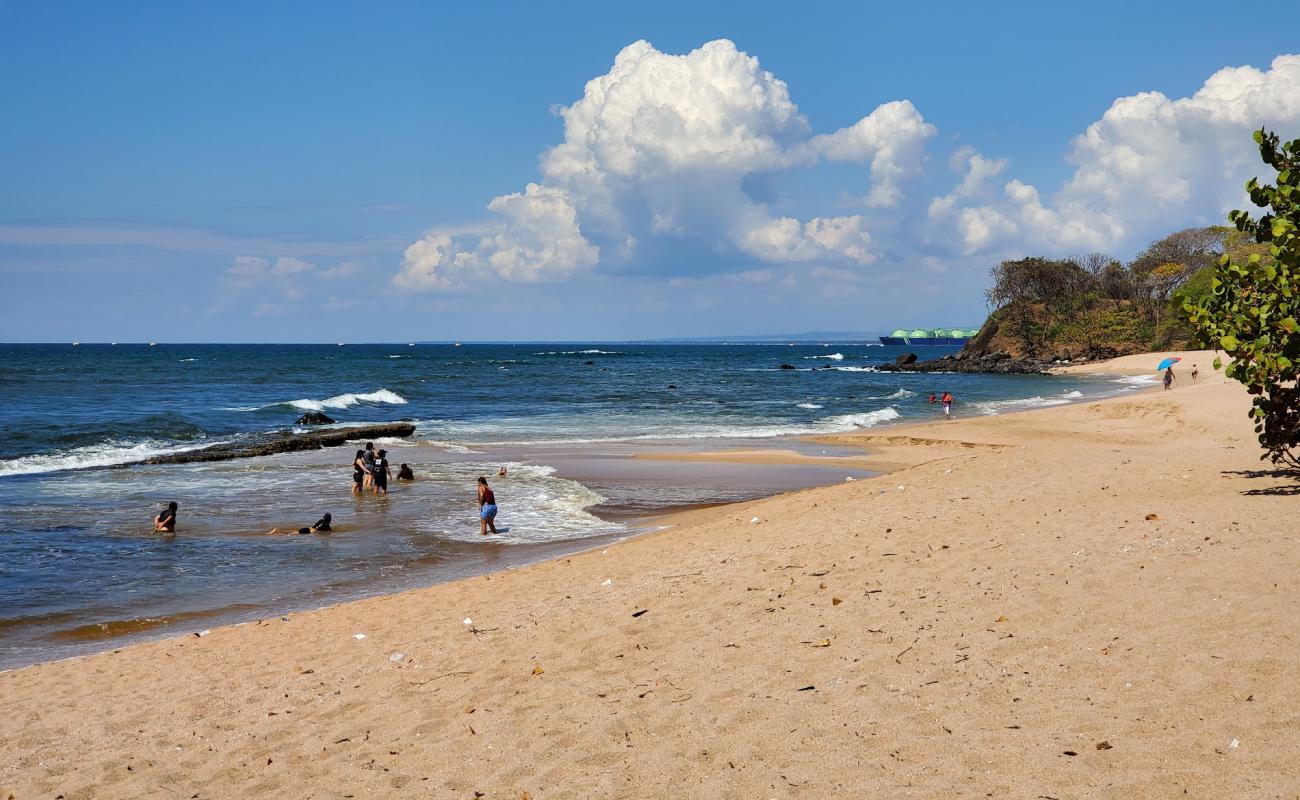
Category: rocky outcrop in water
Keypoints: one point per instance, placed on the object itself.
(998, 363)
(314, 418)
(284, 442)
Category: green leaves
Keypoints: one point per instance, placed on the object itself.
(1250, 309)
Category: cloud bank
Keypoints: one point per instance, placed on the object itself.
(662, 155)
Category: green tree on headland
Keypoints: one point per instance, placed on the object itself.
(1098, 306)
(1254, 304)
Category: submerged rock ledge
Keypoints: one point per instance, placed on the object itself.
(283, 442)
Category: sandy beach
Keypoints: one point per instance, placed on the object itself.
(1092, 600)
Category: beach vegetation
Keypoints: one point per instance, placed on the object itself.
(1098, 305)
(1252, 310)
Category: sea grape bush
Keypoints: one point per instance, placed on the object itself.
(1254, 301)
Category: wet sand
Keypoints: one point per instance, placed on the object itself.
(1086, 600)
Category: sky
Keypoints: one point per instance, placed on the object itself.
(285, 172)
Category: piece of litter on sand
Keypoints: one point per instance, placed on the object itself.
(902, 488)
(203, 632)
(358, 636)
(1234, 744)
(608, 582)
(467, 621)
(397, 656)
(947, 471)
(848, 477)
(1152, 517)
(754, 521)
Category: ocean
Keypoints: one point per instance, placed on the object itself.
(81, 570)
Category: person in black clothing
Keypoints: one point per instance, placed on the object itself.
(404, 473)
(368, 460)
(322, 526)
(358, 472)
(166, 521)
(381, 473)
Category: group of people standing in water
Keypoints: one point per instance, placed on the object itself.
(370, 471)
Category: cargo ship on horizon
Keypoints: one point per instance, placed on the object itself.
(930, 336)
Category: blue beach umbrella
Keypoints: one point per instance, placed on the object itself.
(1167, 363)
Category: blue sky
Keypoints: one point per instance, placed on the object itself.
(323, 172)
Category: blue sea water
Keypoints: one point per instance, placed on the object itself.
(79, 565)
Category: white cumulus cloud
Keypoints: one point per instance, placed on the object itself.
(658, 150)
(1149, 165)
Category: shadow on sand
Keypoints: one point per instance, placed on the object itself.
(1288, 481)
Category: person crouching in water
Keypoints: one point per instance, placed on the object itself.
(404, 473)
(487, 508)
(381, 473)
(166, 521)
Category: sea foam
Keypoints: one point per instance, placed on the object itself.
(104, 454)
(338, 401)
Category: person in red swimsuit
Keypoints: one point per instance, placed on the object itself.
(487, 507)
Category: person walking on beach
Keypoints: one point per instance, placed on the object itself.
(487, 508)
(359, 472)
(368, 460)
(1195, 372)
(947, 405)
(166, 521)
(1169, 378)
(381, 474)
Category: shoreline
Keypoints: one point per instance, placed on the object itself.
(865, 453)
(1099, 605)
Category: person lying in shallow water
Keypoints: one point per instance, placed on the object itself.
(322, 526)
(166, 521)
(404, 473)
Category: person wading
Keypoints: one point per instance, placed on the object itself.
(487, 508)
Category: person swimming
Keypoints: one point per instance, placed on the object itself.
(404, 473)
(501, 473)
(487, 507)
(166, 521)
(322, 526)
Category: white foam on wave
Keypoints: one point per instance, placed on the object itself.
(868, 419)
(536, 506)
(855, 369)
(338, 401)
(450, 438)
(1021, 404)
(1138, 380)
(832, 356)
(900, 394)
(580, 353)
(1072, 395)
(808, 405)
(105, 454)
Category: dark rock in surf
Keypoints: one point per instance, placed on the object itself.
(284, 442)
(787, 366)
(905, 358)
(313, 418)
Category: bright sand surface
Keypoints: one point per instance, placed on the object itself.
(1095, 600)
